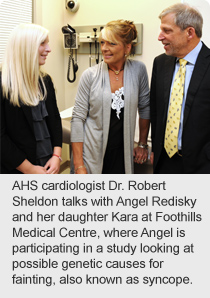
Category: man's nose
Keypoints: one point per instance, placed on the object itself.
(161, 36)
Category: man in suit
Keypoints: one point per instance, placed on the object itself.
(181, 30)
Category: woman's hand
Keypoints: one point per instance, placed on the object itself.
(53, 165)
(79, 167)
(140, 155)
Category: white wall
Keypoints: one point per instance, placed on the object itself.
(50, 14)
(53, 15)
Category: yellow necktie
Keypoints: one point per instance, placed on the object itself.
(174, 112)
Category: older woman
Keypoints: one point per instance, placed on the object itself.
(31, 133)
(104, 116)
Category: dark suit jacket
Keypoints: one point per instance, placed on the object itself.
(17, 134)
(196, 125)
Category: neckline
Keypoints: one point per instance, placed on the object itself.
(116, 71)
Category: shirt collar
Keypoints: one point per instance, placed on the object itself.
(192, 56)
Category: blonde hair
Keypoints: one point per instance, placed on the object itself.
(120, 30)
(20, 67)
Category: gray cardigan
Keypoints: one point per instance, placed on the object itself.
(91, 114)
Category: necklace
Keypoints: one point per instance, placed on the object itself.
(116, 72)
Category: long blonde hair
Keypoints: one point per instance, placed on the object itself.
(21, 73)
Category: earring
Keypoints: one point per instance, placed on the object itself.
(126, 55)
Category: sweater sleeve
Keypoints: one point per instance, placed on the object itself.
(144, 97)
(81, 108)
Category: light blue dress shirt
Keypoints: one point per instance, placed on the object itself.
(191, 60)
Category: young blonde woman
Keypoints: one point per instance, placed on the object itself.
(31, 132)
(104, 116)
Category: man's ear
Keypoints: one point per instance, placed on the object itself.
(190, 32)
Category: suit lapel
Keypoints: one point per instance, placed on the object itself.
(200, 68)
